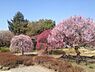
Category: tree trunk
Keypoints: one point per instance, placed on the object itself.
(78, 57)
(22, 52)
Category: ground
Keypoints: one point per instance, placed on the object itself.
(88, 68)
(84, 52)
(30, 69)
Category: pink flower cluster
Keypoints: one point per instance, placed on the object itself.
(42, 39)
(76, 30)
(21, 43)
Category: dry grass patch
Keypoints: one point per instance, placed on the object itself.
(10, 60)
(84, 51)
(87, 68)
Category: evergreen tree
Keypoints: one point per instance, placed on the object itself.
(18, 25)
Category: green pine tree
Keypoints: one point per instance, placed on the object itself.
(18, 25)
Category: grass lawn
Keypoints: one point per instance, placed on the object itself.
(83, 51)
(4, 49)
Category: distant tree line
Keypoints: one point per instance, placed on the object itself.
(19, 25)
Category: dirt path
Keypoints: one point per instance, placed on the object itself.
(30, 69)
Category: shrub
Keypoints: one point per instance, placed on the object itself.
(5, 38)
(27, 60)
(21, 43)
(55, 64)
(8, 60)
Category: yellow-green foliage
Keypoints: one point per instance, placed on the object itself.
(83, 51)
(4, 49)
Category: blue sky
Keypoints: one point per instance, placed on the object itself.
(52, 9)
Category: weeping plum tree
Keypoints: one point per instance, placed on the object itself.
(74, 31)
(21, 43)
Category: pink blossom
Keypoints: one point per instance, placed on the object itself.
(21, 42)
(75, 30)
(42, 39)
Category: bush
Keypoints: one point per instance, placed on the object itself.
(5, 38)
(55, 64)
(8, 60)
(21, 43)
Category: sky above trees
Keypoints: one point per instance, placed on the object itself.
(56, 10)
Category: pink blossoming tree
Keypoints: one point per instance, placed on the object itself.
(21, 43)
(42, 39)
(76, 30)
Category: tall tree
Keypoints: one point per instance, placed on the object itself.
(74, 31)
(18, 25)
(36, 27)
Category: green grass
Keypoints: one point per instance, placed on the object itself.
(4, 49)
